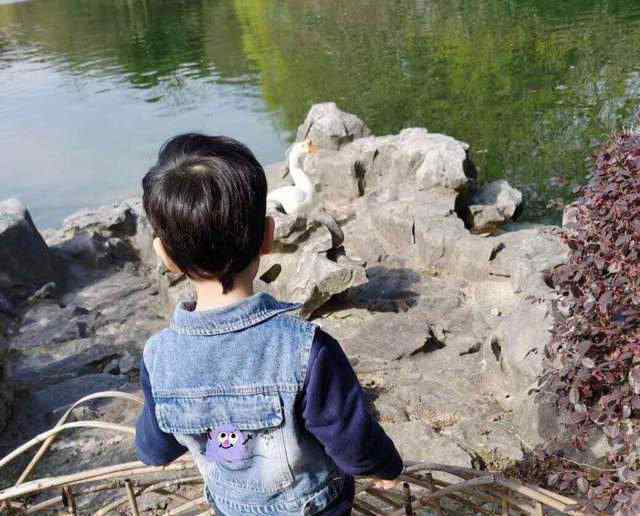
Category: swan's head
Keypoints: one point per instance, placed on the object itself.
(299, 149)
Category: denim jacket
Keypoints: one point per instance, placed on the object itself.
(242, 371)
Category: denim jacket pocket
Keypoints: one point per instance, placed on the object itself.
(242, 439)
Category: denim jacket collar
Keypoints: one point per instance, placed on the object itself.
(235, 317)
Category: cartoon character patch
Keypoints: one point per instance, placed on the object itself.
(228, 444)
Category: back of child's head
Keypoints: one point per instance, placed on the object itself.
(206, 202)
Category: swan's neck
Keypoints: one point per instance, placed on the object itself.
(300, 179)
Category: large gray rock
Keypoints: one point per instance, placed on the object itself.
(98, 236)
(47, 324)
(444, 159)
(306, 267)
(330, 128)
(338, 175)
(115, 220)
(26, 261)
(495, 204)
(58, 397)
(397, 165)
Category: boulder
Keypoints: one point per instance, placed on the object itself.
(26, 261)
(142, 240)
(414, 159)
(59, 396)
(338, 175)
(495, 204)
(116, 220)
(307, 268)
(330, 128)
(47, 324)
(67, 360)
(444, 162)
(98, 236)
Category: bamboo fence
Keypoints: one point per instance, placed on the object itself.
(472, 492)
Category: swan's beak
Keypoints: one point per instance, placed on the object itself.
(312, 148)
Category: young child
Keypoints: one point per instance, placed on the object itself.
(266, 403)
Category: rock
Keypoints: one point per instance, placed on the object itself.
(287, 228)
(536, 421)
(174, 288)
(308, 275)
(117, 220)
(112, 367)
(100, 236)
(47, 324)
(6, 390)
(7, 306)
(522, 337)
(128, 362)
(416, 441)
(444, 160)
(61, 395)
(524, 254)
(142, 240)
(330, 128)
(77, 357)
(570, 217)
(415, 159)
(337, 175)
(496, 204)
(26, 261)
(45, 292)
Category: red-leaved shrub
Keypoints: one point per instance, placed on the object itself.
(593, 363)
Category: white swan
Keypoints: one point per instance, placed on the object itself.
(297, 198)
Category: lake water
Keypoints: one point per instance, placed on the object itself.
(90, 88)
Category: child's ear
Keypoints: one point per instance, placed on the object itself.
(267, 243)
(160, 251)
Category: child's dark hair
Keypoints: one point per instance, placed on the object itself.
(206, 201)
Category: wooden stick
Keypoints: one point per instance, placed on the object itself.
(159, 487)
(505, 507)
(384, 496)
(461, 486)
(367, 508)
(539, 509)
(69, 501)
(470, 503)
(408, 503)
(67, 426)
(45, 446)
(481, 493)
(187, 506)
(466, 473)
(534, 494)
(132, 498)
(124, 470)
(38, 508)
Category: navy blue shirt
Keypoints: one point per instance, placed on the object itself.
(334, 409)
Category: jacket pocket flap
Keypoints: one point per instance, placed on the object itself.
(201, 414)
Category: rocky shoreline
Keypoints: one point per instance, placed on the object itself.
(439, 298)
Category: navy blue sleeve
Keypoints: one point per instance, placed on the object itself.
(153, 446)
(335, 411)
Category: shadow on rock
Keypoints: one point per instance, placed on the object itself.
(387, 290)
